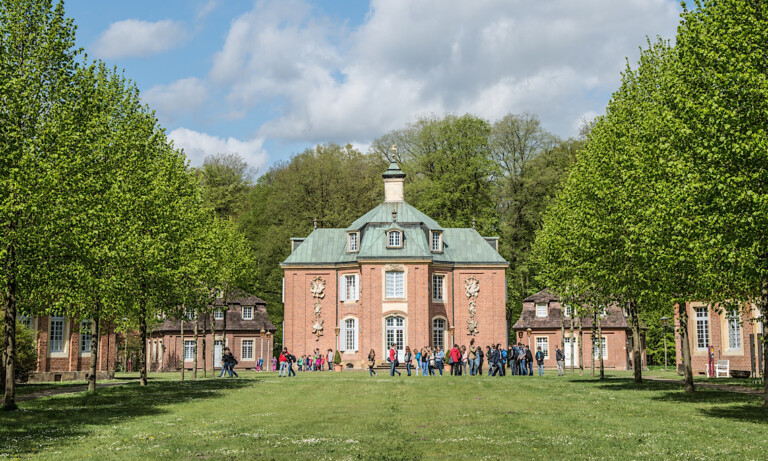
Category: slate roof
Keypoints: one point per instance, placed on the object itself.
(235, 321)
(614, 318)
(406, 214)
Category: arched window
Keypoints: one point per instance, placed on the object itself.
(438, 333)
(395, 239)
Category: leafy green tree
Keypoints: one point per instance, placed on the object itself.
(721, 103)
(37, 62)
(226, 180)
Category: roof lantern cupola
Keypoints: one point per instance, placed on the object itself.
(393, 183)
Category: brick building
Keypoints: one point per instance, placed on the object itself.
(64, 348)
(735, 336)
(250, 336)
(542, 315)
(393, 276)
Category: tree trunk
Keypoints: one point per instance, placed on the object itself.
(143, 334)
(600, 347)
(562, 330)
(213, 344)
(196, 339)
(581, 348)
(593, 331)
(224, 329)
(9, 344)
(94, 349)
(637, 364)
(685, 345)
(205, 345)
(573, 351)
(764, 316)
(183, 345)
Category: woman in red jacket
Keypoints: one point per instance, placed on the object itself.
(455, 360)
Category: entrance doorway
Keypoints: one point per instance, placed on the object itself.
(395, 333)
(568, 352)
(217, 354)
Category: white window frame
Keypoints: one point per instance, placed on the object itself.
(353, 242)
(439, 247)
(439, 332)
(394, 242)
(544, 349)
(248, 316)
(601, 311)
(349, 335)
(733, 326)
(438, 287)
(567, 311)
(702, 328)
(189, 350)
(252, 344)
(604, 346)
(349, 287)
(541, 310)
(189, 314)
(26, 320)
(391, 286)
(61, 342)
(86, 335)
(218, 314)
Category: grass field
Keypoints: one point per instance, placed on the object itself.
(351, 416)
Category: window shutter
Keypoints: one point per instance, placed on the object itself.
(343, 337)
(357, 287)
(342, 288)
(357, 328)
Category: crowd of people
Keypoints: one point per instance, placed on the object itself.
(516, 359)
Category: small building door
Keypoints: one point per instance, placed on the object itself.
(395, 333)
(217, 348)
(568, 352)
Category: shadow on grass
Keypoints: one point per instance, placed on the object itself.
(723, 404)
(56, 420)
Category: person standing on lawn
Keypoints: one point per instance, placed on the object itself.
(393, 360)
(439, 360)
(274, 364)
(372, 363)
(424, 364)
(408, 357)
(464, 359)
(291, 360)
(521, 359)
(480, 357)
(540, 360)
(224, 361)
(472, 358)
(489, 356)
(560, 358)
(283, 363)
(529, 360)
(455, 356)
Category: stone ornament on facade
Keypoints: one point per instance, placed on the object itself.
(317, 288)
(472, 286)
(394, 267)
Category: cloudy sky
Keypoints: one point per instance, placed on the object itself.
(268, 78)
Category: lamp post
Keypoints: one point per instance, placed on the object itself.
(529, 337)
(452, 329)
(665, 319)
(269, 351)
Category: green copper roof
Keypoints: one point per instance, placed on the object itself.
(329, 247)
(393, 171)
(406, 214)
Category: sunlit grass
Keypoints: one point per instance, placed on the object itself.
(352, 416)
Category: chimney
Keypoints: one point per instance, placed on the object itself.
(393, 183)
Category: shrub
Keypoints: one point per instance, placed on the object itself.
(337, 358)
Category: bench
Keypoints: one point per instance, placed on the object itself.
(722, 366)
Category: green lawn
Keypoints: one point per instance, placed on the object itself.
(351, 416)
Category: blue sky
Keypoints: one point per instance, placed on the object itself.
(268, 78)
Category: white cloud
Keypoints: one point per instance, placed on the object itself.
(559, 59)
(135, 38)
(187, 95)
(199, 145)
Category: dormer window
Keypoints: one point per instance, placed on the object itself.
(247, 313)
(541, 310)
(395, 239)
(436, 241)
(353, 242)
